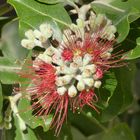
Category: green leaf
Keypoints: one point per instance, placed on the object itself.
(134, 53)
(20, 135)
(13, 53)
(89, 124)
(105, 7)
(32, 13)
(11, 47)
(25, 112)
(8, 71)
(97, 136)
(135, 124)
(119, 132)
(122, 97)
(125, 77)
(50, 1)
(1, 103)
(77, 134)
(109, 84)
(65, 133)
(121, 13)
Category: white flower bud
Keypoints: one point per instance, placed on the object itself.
(87, 58)
(30, 34)
(66, 70)
(56, 58)
(37, 43)
(50, 51)
(89, 82)
(74, 67)
(111, 36)
(40, 36)
(112, 29)
(86, 73)
(46, 30)
(91, 67)
(45, 58)
(37, 33)
(61, 90)
(78, 60)
(29, 44)
(67, 79)
(97, 84)
(99, 19)
(80, 23)
(79, 77)
(60, 81)
(80, 85)
(72, 91)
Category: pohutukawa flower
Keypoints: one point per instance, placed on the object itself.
(66, 76)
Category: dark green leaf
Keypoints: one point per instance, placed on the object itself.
(5, 8)
(122, 96)
(134, 53)
(77, 134)
(89, 124)
(65, 133)
(109, 84)
(119, 132)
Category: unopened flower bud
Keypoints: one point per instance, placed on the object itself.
(86, 73)
(80, 85)
(97, 84)
(89, 82)
(45, 58)
(74, 67)
(61, 90)
(77, 60)
(60, 81)
(91, 67)
(30, 34)
(29, 44)
(72, 91)
(37, 33)
(87, 58)
(46, 30)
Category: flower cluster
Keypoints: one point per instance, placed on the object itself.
(68, 74)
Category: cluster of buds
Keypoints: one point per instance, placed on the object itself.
(37, 37)
(69, 73)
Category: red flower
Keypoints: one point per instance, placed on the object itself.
(67, 75)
